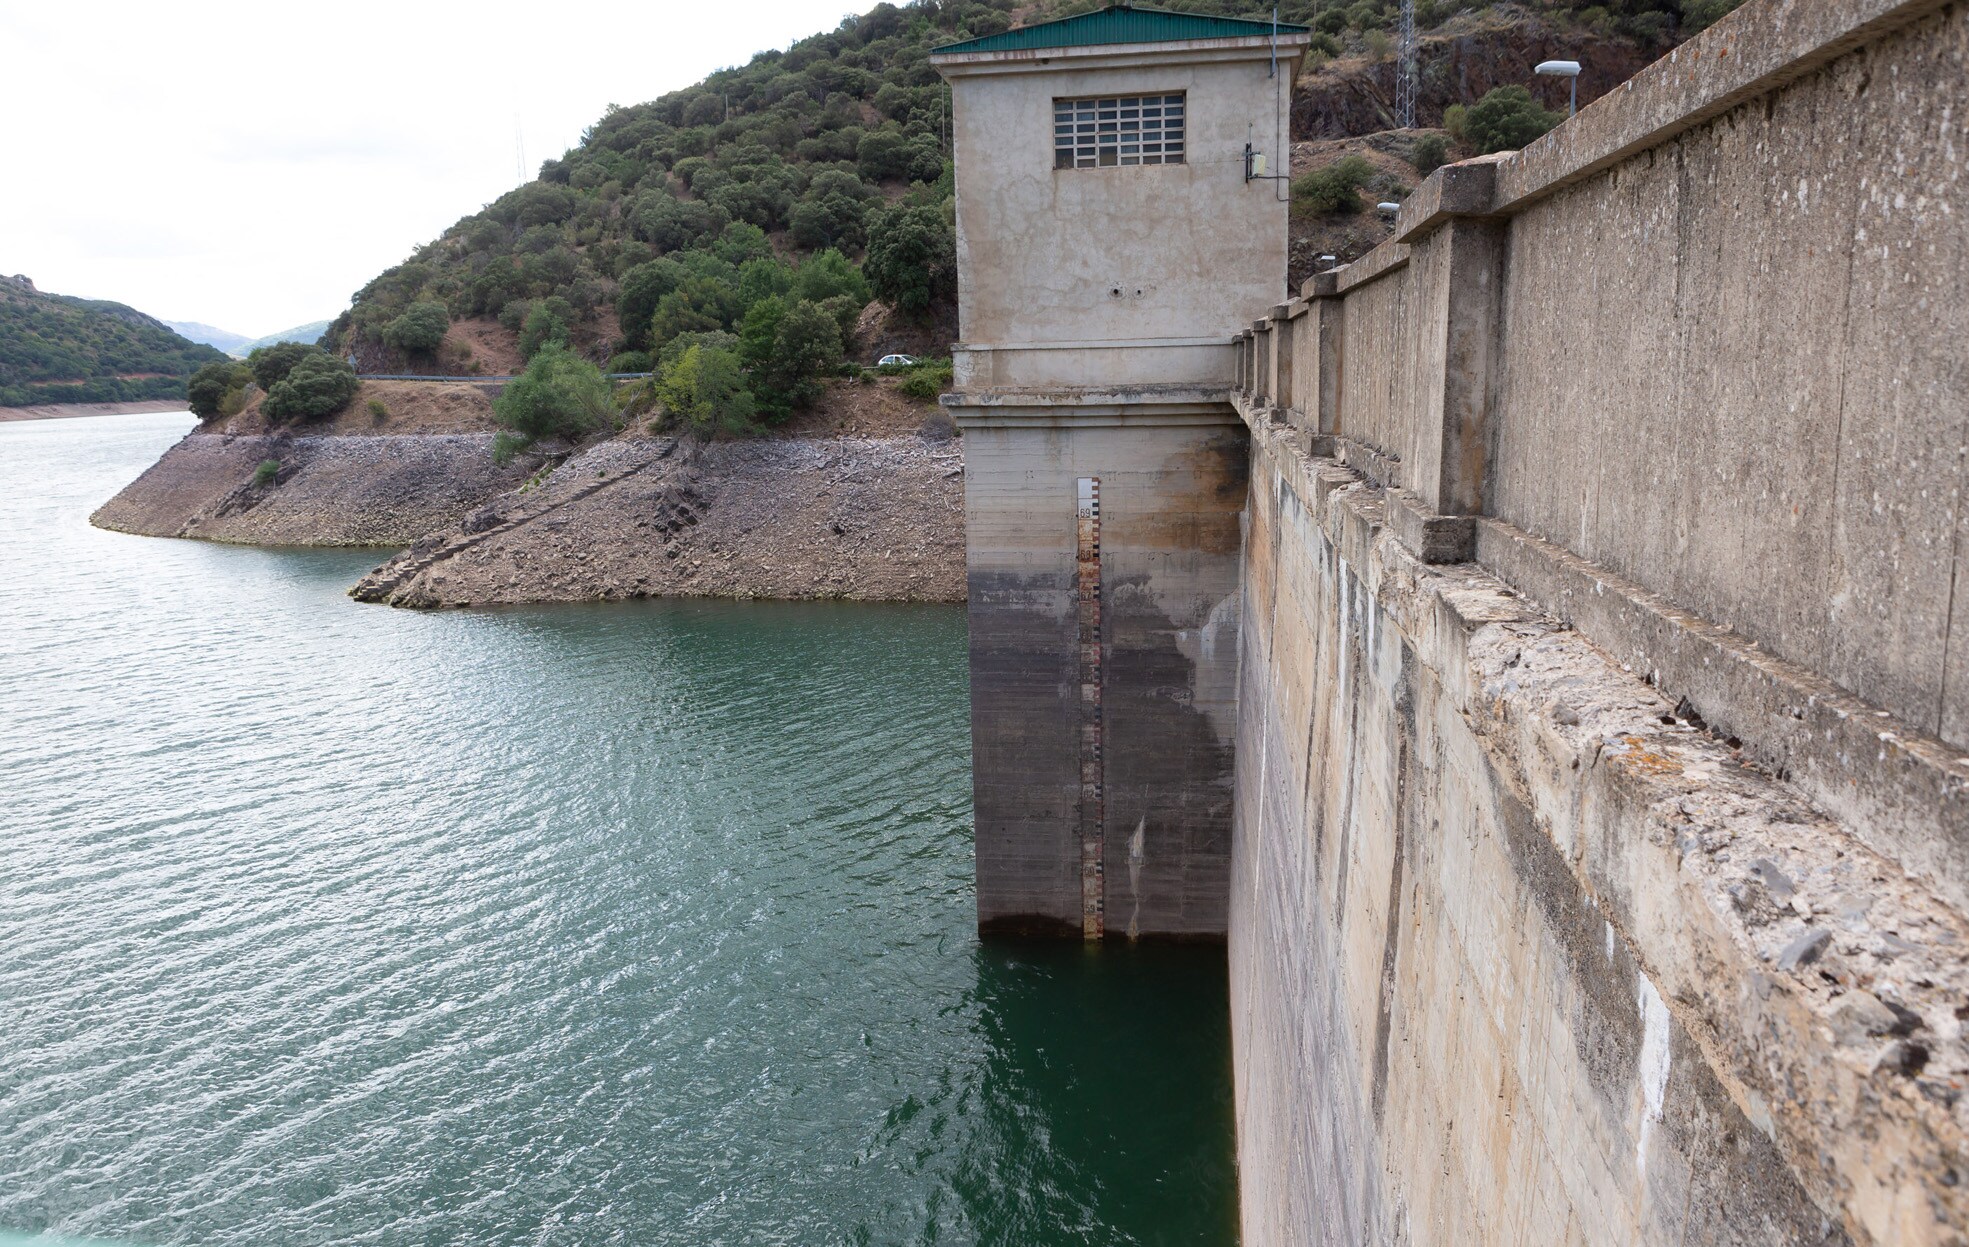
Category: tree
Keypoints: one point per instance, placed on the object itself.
(740, 243)
(806, 346)
(559, 395)
(1699, 15)
(641, 289)
(834, 221)
(912, 257)
(759, 330)
(420, 329)
(1507, 118)
(1334, 189)
(829, 274)
(761, 279)
(700, 303)
(705, 389)
(883, 155)
(317, 385)
(271, 364)
(544, 324)
(671, 224)
(217, 386)
(1431, 150)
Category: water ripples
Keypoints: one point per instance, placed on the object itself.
(638, 924)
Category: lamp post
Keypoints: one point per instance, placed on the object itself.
(1563, 69)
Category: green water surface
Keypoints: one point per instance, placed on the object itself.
(324, 923)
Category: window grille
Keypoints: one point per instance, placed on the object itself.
(1119, 130)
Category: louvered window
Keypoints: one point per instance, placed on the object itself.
(1118, 130)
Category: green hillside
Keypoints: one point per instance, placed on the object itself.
(673, 218)
(58, 349)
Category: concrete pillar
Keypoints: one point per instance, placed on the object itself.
(1103, 546)
(1261, 362)
(1284, 346)
(1320, 371)
(1457, 256)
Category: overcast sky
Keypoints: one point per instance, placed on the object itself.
(251, 165)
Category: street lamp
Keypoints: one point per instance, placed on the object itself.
(1563, 69)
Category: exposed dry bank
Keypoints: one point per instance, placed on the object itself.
(870, 519)
(856, 502)
(359, 479)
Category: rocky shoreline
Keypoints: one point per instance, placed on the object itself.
(340, 490)
(864, 501)
(66, 411)
(863, 519)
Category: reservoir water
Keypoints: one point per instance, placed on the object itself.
(645, 923)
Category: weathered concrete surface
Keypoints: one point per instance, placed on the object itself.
(867, 519)
(1114, 276)
(1754, 398)
(342, 490)
(1098, 309)
(1171, 495)
(1520, 956)
(1708, 393)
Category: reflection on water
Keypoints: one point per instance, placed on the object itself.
(642, 924)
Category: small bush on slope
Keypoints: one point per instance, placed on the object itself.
(318, 385)
(559, 395)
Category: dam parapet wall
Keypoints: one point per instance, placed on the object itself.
(1600, 847)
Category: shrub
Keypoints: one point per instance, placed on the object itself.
(630, 361)
(827, 275)
(318, 385)
(1379, 46)
(740, 243)
(1333, 189)
(671, 224)
(698, 305)
(1431, 151)
(1701, 14)
(883, 155)
(787, 350)
(926, 380)
(642, 288)
(266, 474)
(912, 256)
(377, 411)
(559, 395)
(270, 364)
(1456, 120)
(673, 350)
(761, 279)
(1505, 119)
(506, 444)
(420, 329)
(212, 388)
(541, 327)
(705, 389)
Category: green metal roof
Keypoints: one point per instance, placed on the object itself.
(1120, 23)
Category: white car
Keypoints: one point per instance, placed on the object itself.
(896, 361)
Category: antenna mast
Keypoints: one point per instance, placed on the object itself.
(1405, 70)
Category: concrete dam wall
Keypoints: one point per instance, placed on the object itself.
(1601, 847)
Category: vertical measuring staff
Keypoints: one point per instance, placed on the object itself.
(1093, 804)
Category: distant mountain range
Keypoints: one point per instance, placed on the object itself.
(239, 345)
(307, 335)
(227, 341)
(59, 349)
